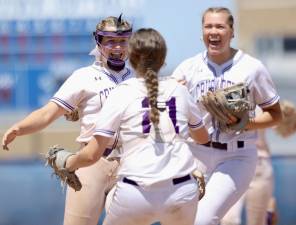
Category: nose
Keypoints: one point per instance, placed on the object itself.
(117, 48)
(213, 30)
(116, 44)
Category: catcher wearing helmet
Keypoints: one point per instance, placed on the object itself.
(81, 97)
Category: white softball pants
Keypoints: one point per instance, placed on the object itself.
(169, 204)
(228, 175)
(256, 198)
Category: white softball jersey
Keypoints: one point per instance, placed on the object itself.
(203, 75)
(151, 154)
(86, 90)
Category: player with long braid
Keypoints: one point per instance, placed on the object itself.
(152, 116)
(83, 95)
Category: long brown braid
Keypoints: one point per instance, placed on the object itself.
(147, 52)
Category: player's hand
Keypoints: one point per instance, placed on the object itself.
(231, 119)
(8, 137)
(183, 82)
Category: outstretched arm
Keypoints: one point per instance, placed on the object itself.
(34, 122)
(90, 154)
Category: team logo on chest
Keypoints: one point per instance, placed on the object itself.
(210, 85)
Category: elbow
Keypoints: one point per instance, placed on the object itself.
(50, 112)
(277, 117)
(47, 117)
(275, 114)
(280, 118)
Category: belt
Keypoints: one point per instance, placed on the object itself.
(105, 153)
(175, 181)
(223, 146)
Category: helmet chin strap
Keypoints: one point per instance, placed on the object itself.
(115, 64)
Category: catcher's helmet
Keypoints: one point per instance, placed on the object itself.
(112, 27)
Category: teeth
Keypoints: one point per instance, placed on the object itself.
(116, 56)
(214, 39)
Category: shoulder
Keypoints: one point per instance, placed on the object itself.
(85, 69)
(125, 92)
(171, 86)
(256, 69)
(127, 87)
(129, 82)
(168, 81)
(82, 72)
(252, 61)
(186, 69)
(191, 61)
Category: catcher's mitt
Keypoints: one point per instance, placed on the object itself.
(56, 158)
(287, 126)
(228, 103)
(201, 183)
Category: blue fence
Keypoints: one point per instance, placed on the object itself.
(37, 55)
(30, 196)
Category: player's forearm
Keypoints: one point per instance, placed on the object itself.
(79, 160)
(200, 136)
(87, 156)
(39, 119)
(33, 123)
(36, 121)
(269, 118)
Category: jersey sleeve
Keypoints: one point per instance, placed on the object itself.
(109, 118)
(70, 93)
(263, 89)
(194, 112)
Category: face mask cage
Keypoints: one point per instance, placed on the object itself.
(115, 64)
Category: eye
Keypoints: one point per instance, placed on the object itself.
(221, 26)
(207, 26)
(123, 42)
(110, 42)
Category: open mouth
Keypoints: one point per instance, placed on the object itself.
(214, 42)
(116, 55)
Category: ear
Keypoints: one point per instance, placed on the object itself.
(232, 32)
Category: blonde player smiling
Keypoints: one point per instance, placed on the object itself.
(229, 159)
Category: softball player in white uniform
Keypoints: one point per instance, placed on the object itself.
(86, 91)
(229, 160)
(155, 181)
